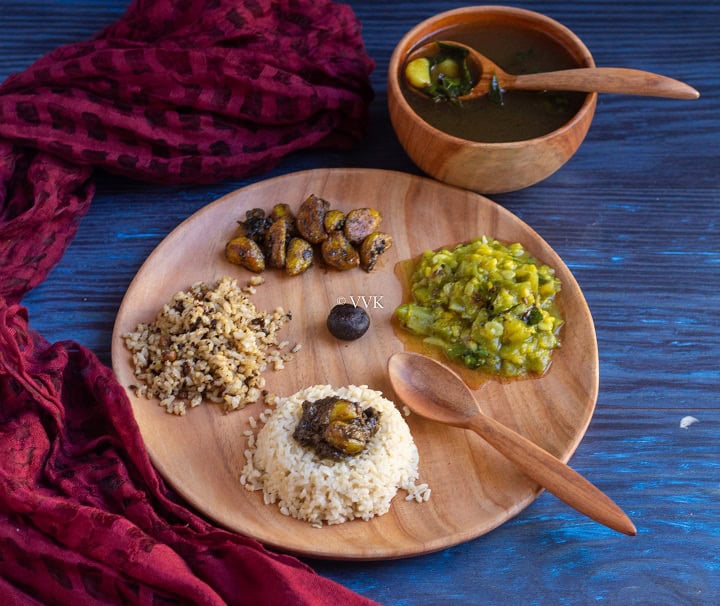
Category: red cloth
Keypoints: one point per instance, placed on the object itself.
(176, 91)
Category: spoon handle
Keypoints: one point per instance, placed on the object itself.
(605, 80)
(551, 473)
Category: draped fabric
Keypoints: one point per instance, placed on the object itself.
(177, 91)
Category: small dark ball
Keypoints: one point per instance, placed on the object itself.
(348, 322)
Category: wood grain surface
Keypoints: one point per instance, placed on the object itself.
(474, 489)
(634, 214)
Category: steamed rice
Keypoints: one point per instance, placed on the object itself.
(307, 487)
(208, 343)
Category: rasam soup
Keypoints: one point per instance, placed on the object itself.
(520, 115)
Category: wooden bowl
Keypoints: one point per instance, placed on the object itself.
(486, 167)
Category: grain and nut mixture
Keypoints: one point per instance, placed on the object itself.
(208, 343)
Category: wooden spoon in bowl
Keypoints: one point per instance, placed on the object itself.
(584, 79)
(435, 392)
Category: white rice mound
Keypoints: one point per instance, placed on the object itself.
(318, 490)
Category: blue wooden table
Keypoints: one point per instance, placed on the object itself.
(635, 215)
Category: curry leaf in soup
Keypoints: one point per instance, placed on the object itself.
(450, 74)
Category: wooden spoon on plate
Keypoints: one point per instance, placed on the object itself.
(435, 392)
(584, 79)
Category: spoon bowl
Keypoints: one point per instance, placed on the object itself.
(432, 390)
(585, 79)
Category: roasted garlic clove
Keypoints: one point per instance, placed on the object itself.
(372, 247)
(360, 223)
(417, 73)
(245, 252)
(276, 243)
(338, 252)
(334, 220)
(299, 256)
(340, 436)
(310, 218)
(282, 211)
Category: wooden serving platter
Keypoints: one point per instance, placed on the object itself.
(474, 489)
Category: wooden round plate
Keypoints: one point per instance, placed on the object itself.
(474, 489)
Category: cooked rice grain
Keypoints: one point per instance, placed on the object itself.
(307, 487)
(207, 343)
